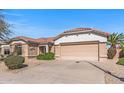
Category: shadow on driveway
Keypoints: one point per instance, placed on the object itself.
(108, 72)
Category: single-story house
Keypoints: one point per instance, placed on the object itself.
(74, 44)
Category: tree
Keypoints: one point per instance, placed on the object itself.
(114, 40)
(4, 28)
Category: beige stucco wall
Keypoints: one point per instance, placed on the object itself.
(103, 50)
(32, 50)
(27, 50)
(52, 49)
(24, 47)
(57, 51)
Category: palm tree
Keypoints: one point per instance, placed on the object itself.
(121, 53)
(114, 40)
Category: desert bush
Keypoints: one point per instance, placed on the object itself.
(121, 61)
(46, 56)
(111, 52)
(14, 62)
(2, 57)
(121, 53)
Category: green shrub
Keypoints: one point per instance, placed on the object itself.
(14, 62)
(46, 56)
(121, 61)
(121, 53)
(111, 52)
(40, 56)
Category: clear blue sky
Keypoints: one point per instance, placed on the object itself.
(47, 23)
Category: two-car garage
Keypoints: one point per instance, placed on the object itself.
(78, 51)
(81, 44)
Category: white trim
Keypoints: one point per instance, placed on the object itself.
(47, 50)
(80, 37)
(19, 41)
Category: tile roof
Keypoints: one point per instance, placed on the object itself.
(78, 29)
(25, 38)
(67, 32)
(38, 40)
(44, 40)
(82, 30)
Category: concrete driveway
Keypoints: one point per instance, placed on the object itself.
(54, 72)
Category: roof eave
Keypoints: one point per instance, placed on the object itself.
(80, 32)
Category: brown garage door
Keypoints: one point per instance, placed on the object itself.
(79, 51)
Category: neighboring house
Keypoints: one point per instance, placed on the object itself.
(74, 44)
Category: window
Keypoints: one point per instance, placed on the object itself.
(6, 51)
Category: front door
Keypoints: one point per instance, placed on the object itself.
(42, 49)
(18, 49)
